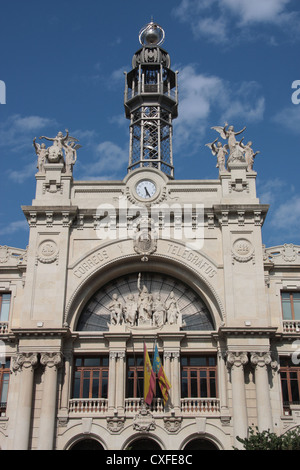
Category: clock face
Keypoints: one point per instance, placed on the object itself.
(146, 189)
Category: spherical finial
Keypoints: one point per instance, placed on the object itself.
(151, 35)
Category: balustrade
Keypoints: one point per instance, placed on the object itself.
(291, 326)
(88, 405)
(132, 405)
(3, 328)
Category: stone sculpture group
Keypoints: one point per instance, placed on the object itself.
(63, 150)
(235, 150)
(146, 310)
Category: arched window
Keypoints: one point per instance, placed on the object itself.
(96, 315)
(200, 444)
(143, 444)
(87, 444)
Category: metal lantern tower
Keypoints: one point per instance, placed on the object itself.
(151, 103)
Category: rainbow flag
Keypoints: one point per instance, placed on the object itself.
(162, 378)
(149, 378)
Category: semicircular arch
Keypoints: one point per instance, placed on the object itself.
(132, 264)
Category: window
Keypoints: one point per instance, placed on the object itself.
(91, 377)
(4, 307)
(290, 305)
(135, 377)
(4, 381)
(290, 382)
(198, 377)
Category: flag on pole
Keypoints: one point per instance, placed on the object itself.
(162, 378)
(149, 378)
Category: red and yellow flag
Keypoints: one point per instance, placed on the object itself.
(149, 378)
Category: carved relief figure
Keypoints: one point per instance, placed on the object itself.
(116, 309)
(249, 155)
(159, 312)
(219, 151)
(71, 155)
(173, 312)
(42, 153)
(130, 310)
(145, 310)
(144, 303)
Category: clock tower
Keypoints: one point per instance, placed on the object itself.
(151, 104)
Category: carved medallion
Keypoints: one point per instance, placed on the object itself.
(47, 252)
(242, 251)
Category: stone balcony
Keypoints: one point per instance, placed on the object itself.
(189, 406)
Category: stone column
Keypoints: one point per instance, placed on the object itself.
(236, 361)
(261, 362)
(176, 381)
(51, 362)
(25, 364)
(120, 392)
(112, 381)
(222, 380)
(65, 394)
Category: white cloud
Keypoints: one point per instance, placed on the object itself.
(201, 96)
(287, 217)
(289, 118)
(17, 131)
(257, 11)
(269, 190)
(110, 159)
(14, 227)
(19, 176)
(226, 21)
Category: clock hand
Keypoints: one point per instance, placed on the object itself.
(147, 193)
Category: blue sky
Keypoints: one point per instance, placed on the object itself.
(63, 62)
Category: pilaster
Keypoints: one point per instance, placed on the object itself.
(51, 362)
(236, 362)
(24, 364)
(261, 362)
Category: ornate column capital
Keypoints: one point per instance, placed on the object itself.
(262, 359)
(236, 359)
(53, 359)
(25, 361)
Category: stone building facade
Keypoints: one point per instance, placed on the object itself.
(112, 266)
